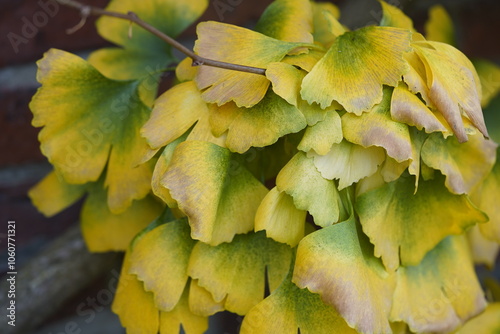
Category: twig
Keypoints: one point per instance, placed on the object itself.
(86, 10)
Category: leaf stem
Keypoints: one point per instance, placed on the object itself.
(86, 10)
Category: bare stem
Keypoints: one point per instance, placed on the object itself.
(86, 10)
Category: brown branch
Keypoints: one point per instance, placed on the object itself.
(86, 10)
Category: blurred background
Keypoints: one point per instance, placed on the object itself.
(22, 165)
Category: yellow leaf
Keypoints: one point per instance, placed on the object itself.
(259, 126)
(465, 165)
(404, 226)
(235, 272)
(310, 191)
(489, 75)
(286, 80)
(201, 301)
(356, 67)
(326, 26)
(224, 42)
(216, 192)
(104, 231)
(278, 216)
(394, 17)
(52, 194)
(485, 323)
(320, 137)
(440, 293)
(483, 251)
(439, 27)
(348, 162)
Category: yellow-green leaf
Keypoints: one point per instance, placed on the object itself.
(404, 226)
(487, 322)
(394, 17)
(160, 259)
(224, 42)
(440, 293)
(356, 67)
(104, 231)
(216, 192)
(483, 251)
(321, 136)
(181, 316)
(259, 126)
(453, 85)
(288, 309)
(376, 128)
(489, 75)
(235, 272)
(338, 263)
(287, 20)
(439, 27)
(286, 80)
(201, 301)
(348, 162)
(310, 191)
(326, 26)
(465, 165)
(280, 218)
(52, 194)
(135, 307)
(95, 123)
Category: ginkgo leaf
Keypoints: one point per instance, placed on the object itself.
(135, 307)
(95, 123)
(485, 323)
(338, 263)
(348, 162)
(439, 27)
(288, 309)
(440, 293)
(486, 198)
(489, 75)
(286, 80)
(324, 14)
(394, 17)
(483, 251)
(280, 218)
(143, 54)
(52, 194)
(465, 165)
(310, 191)
(416, 78)
(321, 136)
(305, 61)
(224, 42)
(160, 259)
(259, 126)
(104, 231)
(235, 272)
(287, 20)
(409, 109)
(216, 192)
(376, 128)
(201, 301)
(356, 67)
(174, 112)
(404, 226)
(453, 85)
(181, 317)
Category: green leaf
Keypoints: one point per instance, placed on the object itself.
(95, 124)
(213, 188)
(160, 259)
(288, 309)
(376, 128)
(356, 67)
(338, 263)
(235, 272)
(224, 42)
(465, 165)
(287, 20)
(404, 226)
(143, 54)
(53, 194)
(348, 162)
(309, 190)
(440, 293)
(104, 231)
(280, 218)
(259, 126)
